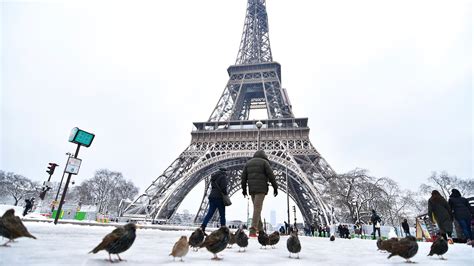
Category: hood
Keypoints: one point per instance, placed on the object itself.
(260, 154)
(455, 193)
(219, 173)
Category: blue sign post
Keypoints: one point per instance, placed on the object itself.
(81, 138)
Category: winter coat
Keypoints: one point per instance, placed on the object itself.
(375, 218)
(405, 226)
(257, 173)
(219, 178)
(460, 207)
(28, 204)
(439, 209)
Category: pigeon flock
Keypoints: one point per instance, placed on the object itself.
(122, 238)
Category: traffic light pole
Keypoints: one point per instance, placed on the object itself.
(58, 213)
(60, 183)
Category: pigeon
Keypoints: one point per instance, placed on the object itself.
(196, 238)
(263, 239)
(293, 244)
(379, 243)
(241, 239)
(231, 240)
(180, 248)
(273, 238)
(217, 241)
(386, 244)
(12, 228)
(332, 238)
(405, 248)
(439, 247)
(118, 241)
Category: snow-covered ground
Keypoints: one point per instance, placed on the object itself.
(66, 244)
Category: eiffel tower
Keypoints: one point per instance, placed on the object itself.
(228, 138)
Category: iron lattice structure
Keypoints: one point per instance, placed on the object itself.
(228, 139)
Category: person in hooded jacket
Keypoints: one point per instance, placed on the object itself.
(218, 187)
(257, 173)
(406, 227)
(375, 219)
(460, 207)
(440, 212)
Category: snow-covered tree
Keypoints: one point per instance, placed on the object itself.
(16, 186)
(443, 182)
(354, 194)
(106, 189)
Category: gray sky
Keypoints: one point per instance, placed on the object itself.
(386, 85)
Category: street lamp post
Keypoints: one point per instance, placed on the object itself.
(259, 125)
(294, 214)
(248, 212)
(287, 198)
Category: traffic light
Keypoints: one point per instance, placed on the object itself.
(51, 168)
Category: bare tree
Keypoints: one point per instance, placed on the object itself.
(106, 189)
(443, 182)
(16, 186)
(354, 194)
(395, 204)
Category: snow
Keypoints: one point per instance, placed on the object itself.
(68, 244)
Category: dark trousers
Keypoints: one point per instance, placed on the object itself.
(26, 210)
(215, 203)
(407, 232)
(466, 228)
(376, 229)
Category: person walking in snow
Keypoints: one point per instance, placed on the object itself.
(257, 173)
(218, 187)
(460, 207)
(406, 227)
(28, 205)
(375, 219)
(440, 213)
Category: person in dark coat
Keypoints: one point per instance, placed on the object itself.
(375, 219)
(218, 184)
(440, 212)
(28, 205)
(460, 207)
(257, 173)
(406, 227)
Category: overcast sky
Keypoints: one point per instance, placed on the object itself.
(386, 85)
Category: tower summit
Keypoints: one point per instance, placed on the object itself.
(228, 138)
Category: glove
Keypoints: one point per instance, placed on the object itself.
(275, 192)
(244, 192)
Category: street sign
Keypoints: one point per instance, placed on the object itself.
(73, 165)
(81, 137)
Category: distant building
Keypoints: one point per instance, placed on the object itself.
(273, 217)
